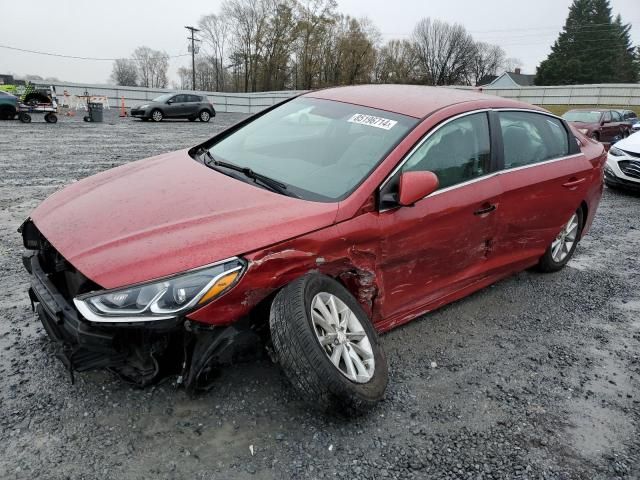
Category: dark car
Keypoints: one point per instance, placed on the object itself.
(8, 106)
(629, 118)
(175, 105)
(310, 226)
(603, 125)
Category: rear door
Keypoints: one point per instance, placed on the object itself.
(544, 178)
(192, 107)
(442, 243)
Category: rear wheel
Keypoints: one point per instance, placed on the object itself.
(157, 116)
(51, 118)
(563, 247)
(327, 346)
(205, 116)
(7, 112)
(24, 117)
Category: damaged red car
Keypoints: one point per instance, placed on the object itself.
(308, 228)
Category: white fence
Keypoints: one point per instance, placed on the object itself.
(605, 94)
(623, 94)
(223, 102)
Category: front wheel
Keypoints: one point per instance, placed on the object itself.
(24, 117)
(327, 346)
(563, 247)
(157, 116)
(205, 116)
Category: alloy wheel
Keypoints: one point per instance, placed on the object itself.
(562, 245)
(204, 116)
(342, 337)
(156, 115)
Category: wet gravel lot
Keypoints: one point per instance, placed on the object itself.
(537, 376)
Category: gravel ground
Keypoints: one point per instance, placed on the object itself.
(535, 377)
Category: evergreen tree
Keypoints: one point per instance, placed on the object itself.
(592, 48)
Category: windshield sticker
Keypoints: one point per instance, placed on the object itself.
(371, 121)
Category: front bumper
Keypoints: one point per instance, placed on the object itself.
(136, 112)
(615, 176)
(141, 353)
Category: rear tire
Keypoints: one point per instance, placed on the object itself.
(51, 118)
(564, 246)
(7, 113)
(328, 375)
(24, 117)
(204, 116)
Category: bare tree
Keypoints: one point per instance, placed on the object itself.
(152, 66)
(124, 72)
(487, 60)
(396, 62)
(215, 33)
(444, 52)
(510, 64)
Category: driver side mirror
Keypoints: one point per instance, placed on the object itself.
(416, 185)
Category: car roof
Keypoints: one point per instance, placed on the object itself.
(587, 109)
(412, 100)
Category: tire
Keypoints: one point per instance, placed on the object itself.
(204, 116)
(306, 363)
(550, 263)
(51, 118)
(595, 136)
(24, 117)
(157, 115)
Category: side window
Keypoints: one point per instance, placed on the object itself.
(531, 138)
(457, 152)
(180, 98)
(194, 98)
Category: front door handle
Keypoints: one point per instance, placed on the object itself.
(486, 208)
(573, 182)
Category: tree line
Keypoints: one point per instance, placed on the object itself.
(266, 45)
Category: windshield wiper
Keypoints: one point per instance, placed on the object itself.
(270, 183)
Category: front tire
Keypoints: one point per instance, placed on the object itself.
(327, 346)
(563, 247)
(157, 116)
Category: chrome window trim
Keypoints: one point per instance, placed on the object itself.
(483, 177)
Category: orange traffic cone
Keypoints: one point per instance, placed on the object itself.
(123, 112)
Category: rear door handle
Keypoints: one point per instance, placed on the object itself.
(573, 182)
(486, 208)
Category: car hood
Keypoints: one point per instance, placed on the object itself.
(630, 144)
(167, 214)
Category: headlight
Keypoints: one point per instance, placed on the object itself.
(616, 152)
(583, 131)
(142, 107)
(162, 299)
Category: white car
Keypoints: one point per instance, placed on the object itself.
(622, 169)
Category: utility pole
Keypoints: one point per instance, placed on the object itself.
(193, 54)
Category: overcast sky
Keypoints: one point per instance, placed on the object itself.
(114, 28)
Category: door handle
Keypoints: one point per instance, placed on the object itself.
(573, 182)
(486, 208)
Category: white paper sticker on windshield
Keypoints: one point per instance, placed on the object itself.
(371, 121)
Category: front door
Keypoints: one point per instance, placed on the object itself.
(441, 244)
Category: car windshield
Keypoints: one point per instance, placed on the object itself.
(320, 149)
(163, 98)
(582, 116)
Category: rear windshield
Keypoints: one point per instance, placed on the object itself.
(583, 116)
(322, 150)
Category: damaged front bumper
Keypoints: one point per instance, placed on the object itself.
(141, 353)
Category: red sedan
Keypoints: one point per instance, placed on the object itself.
(310, 227)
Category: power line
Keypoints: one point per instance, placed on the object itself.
(74, 57)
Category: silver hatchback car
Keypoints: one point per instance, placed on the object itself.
(175, 105)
